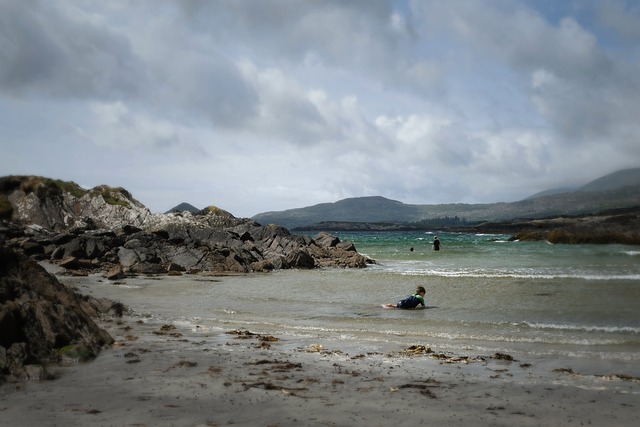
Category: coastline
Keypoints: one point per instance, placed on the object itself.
(163, 375)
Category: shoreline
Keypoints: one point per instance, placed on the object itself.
(166, 375)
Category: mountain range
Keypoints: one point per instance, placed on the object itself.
(620, 189)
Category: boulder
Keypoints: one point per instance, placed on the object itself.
(326, 239)
(130, 229)
(115, 273)
(346, 246)
(41, 320)
(300, 259)
(146, 267)
(175, 267)
(70, 262)
(128, 257)
(262, 266)
(32, 248)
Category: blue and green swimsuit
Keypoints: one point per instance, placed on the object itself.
(411, 301)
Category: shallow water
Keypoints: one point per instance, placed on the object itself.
(484, 295)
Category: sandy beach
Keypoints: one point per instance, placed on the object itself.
(160, 375)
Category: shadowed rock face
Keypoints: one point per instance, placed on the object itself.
(610, 226)
(178, 249)
(43, 321)
(105, 229)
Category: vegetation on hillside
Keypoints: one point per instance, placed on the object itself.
(113, 196)
(44, 188)
(6, 210)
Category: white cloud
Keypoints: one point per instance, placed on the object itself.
(269, 105)
(114, 125)
(542, 78)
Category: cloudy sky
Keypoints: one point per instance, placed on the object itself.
(255, 106)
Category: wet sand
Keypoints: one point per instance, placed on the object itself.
(158, 375)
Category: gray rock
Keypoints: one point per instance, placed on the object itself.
(115, 273)
(128, 257)
(105, 226)
(40, 318)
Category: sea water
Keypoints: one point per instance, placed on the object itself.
(485, 294)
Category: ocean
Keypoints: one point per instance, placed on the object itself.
(485, 295)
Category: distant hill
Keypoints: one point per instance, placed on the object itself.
(553, 191)
(617, 190)
(612, 181)
(183, 207)
(625, 177)
(358, 209)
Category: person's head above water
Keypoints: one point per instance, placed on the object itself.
(420, 290)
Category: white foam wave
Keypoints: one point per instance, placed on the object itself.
(513, 275)
(631, 253)
(584, 328)
(527, 339)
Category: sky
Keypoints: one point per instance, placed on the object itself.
(267, 105)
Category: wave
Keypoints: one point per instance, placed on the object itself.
(514, 275)
(446, 329)
(474, 337)
(631, 253)
(584, 328)
(531, 339)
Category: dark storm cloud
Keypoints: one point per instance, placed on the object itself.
(50, 53)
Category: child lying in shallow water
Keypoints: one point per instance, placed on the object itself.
(411, 301)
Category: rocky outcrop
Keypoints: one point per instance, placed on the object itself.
(610, 226)
(59, 205)
(75, 228)
(43, 321)
(182, 248)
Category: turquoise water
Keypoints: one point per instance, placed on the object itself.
(493, 255)
(484, 295)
